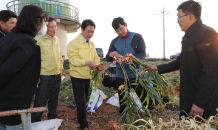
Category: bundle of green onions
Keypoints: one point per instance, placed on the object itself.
(154, 94)
(153, 77)
(97, 75)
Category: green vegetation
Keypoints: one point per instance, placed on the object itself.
(66, 93)
(171, 78)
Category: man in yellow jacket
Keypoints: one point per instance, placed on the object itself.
(50, 75)
(82, 56)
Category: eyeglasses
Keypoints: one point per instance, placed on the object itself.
(181, 17)
(120, 29)
(51, 27)
(89, 32)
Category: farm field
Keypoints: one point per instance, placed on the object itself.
(107, 116)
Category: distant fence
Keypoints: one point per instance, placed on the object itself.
(157, 59)
(50, 6)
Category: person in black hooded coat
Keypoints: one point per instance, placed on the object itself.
(20, 63)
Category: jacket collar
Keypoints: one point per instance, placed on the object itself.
(35, 41)
(81, 39)
(46, 36)
(2, 32)
(50, 36)
(126, 34)
(193, 27)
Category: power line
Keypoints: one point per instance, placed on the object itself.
(162, 13)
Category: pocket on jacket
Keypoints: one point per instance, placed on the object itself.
(47, 64)
(84, 53)
(93, 52)
(46, 49)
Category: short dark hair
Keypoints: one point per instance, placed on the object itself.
(5, 15)
(191, 7)
(51, 19)
(30, 20)
(117, 21)
(86, 23)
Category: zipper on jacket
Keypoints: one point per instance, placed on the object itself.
(125, 44)
(54, 52)
(90, 51)
(2, 33)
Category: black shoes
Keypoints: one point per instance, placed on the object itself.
(81, 128)
(87, 120)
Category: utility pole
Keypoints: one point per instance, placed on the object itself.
(162, 13)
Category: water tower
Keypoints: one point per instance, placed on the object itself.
(67, 16)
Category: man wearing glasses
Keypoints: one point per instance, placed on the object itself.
(51, 68)
(82, 56)
(126, 42)
(198, 63)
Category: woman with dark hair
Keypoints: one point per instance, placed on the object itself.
(20, 63)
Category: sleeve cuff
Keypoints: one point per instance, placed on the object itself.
(83, 62)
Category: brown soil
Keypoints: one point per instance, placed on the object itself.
(106, 115)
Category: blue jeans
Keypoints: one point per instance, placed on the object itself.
(14, 127)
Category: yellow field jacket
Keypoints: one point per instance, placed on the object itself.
(51, 58)
(78, 51)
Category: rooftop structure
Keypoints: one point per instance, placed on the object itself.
(67, 16)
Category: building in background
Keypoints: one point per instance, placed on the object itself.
(67, 16)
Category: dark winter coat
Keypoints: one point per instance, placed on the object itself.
(20, 63)
(198, 64)
(2, 33)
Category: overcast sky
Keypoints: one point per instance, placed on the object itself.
(140, 16)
